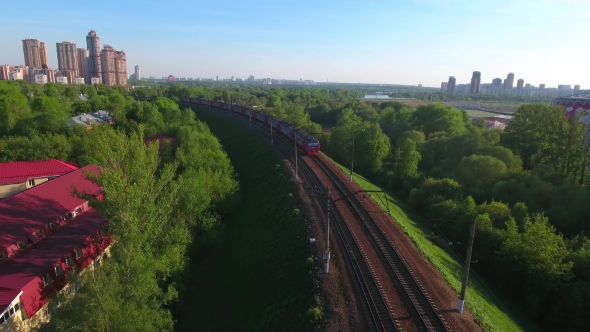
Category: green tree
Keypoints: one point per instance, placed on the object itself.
(480, 170)
(438, 117)
(414, 135)
(50, 115)
(14, 107)
(406, 161)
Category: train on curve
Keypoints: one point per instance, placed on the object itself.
(303, 139)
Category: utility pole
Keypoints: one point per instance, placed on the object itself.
(466, 271)
(270, 121)
(352, 159)
(327, 253)
(295, 146)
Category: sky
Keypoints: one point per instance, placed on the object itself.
(391, 41)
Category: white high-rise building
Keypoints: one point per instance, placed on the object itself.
(137, 73)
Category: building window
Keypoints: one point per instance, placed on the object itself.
(31, 183)
(69, 261)
(79, 253)
(51, 225)
(46, 279)
(21, 244)
(59, 270)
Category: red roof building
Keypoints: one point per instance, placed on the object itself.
(45, 231)
(21, 175)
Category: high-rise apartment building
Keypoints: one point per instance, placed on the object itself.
(83, 65)
(443, 85)
(475, 81)
(67, 60)
(35, 54)
(137, 73)
(497, 83)
(509, 81)
(542, 86)
(94, 58)
(107, 61)
(520, 83)
(114, 66)
(576, 89)
(120, 68)
(451, 84)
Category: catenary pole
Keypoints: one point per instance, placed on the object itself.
(327, 253)
(295, 146)
(466, 270)
(352, 159)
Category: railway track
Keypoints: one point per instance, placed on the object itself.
(374, 300)
(376, 305)
(417, 301)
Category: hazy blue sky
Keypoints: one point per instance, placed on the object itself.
(404, 42)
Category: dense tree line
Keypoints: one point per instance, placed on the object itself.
(526, 187)
(162, 201)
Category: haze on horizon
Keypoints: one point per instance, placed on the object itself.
(402, 42)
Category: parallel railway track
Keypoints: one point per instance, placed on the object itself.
(368, 287)
(418, 303)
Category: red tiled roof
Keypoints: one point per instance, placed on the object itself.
(6, 297)
(33, 262)
(24, 272)
(20, 171)
(25, 213)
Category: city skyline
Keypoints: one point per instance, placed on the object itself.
(403, 42)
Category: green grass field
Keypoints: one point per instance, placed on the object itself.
(259, 278)
(480, 114)
(495, 313)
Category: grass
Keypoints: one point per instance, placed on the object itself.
(494, 313)
(478, 113)
(259, 278)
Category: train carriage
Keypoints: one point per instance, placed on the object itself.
(304, 140)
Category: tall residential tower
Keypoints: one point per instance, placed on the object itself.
(67, 60)
(83, 65)
(451, 84)
(114, 66)
(35, 54)
(509, 81)
(475, 81)
(137, 73)
(94, 61)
